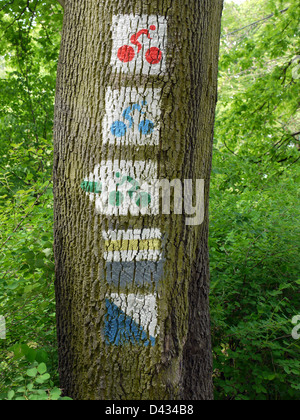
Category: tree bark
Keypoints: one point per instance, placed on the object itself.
(132, 289)
(62, 3)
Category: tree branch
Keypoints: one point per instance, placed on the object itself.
(254, 23)
(62, 3)
(295, 134)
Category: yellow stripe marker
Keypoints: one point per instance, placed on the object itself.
(133, 245)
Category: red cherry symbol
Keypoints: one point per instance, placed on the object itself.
(135, 37)
(154, 55)
(127, 53)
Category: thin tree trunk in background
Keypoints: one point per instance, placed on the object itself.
(136, 97)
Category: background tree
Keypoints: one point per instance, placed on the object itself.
(94, 365)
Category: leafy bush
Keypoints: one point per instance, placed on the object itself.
(254, 231)
(29, 49)
(34, 386)
(255, 294)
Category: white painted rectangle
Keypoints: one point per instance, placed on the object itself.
(131, 234)
(141, 308)
(132, 116)
(151, 239)
(125, 256)
(125, 187)
(139, 44)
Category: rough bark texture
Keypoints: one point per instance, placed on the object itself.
(179, 365)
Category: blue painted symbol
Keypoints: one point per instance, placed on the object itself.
(119, 128)
(124, 273)
(146, 127)
(121, 329)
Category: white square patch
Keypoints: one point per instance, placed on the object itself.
(132, 116)
(139, 44)
(123, 187)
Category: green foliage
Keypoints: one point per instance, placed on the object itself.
(35, 385)
(29, 44)
(254, 232)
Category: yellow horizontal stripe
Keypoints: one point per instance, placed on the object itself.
(133, 245)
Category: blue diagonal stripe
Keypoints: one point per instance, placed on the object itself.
(121, 329)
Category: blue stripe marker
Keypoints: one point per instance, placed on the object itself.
(121, 329)
(129, 273)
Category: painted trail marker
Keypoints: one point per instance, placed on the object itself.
(139, 44)
(132, 116)
(123, 187)
(131, 319)
(133, 258)
(133, 245)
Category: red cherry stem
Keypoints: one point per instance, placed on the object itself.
(135, 37)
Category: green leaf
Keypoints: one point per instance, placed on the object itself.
(55, 394)
(41, 356)
(32, 372)
(45, 377)
(31, 355)
(42, 368)
(10, 395)
(30, 387)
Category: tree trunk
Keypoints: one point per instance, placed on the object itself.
(136, 97)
